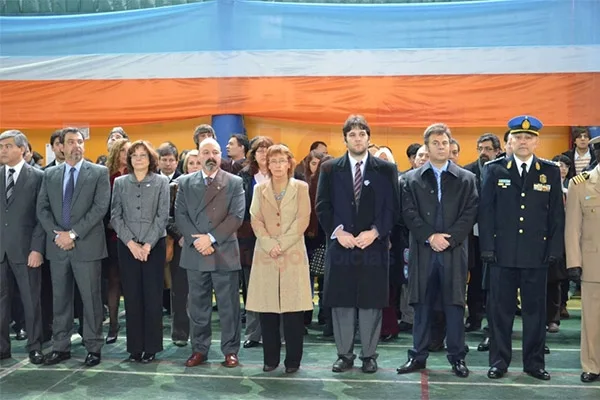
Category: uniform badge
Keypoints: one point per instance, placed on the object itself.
(504, 183)
(509, 164)
(537, 166)
(543, 178)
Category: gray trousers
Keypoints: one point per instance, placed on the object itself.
(180, 322)
(88, 276)
(408, 313)
(253, 331)
(369, 327)
(29, 281)
(226, 285)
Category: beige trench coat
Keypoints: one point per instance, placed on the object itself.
(283, 284)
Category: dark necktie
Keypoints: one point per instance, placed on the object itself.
(357, 182)
(68, 199)
(523, 173)
(10, 184)
(208, 180)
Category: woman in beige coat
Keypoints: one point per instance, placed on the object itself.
(279, 284)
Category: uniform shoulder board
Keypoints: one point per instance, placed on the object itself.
(582, 177)
(549, 162)
(496, 160)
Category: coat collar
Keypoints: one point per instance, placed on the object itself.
(218, 184)
(290, 193)
(452, 169)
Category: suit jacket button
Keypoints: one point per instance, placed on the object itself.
(432, 192)
(521, 219)
(428, 213)
(520, 230)
(278, 214)
(138, 207)
(278, 224)
(522, 206)
(138, 195)
(522, 194)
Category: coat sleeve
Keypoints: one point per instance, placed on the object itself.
(98, 210)
(257, 220)
(44, 208)
(235, 214)
(295, 232)
(464, 224)
(161, 218)
(556, 217)
(38, 238)
(116, 213)
(324, 205)
(574, 225)
(182, 217)
(391, 204)
(417, 226)
(487, 209)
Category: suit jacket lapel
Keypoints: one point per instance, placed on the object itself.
(290, 193)
(344, 169)
(83, 175)
(211, 191)
(23, 176)
(514, 172)
(267, 193)
(3, 184)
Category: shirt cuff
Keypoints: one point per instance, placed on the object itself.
(333, 236)
(212, 238)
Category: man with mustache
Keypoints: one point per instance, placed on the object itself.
(209, 209)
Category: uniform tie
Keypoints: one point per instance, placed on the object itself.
(68, 199)
(523, 173)
(10, 184)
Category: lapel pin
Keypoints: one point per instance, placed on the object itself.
(367, 183)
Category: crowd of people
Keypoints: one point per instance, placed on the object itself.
(389, 251)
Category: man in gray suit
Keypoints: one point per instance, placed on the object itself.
(209, 209)
(73, 200)
(21, 243)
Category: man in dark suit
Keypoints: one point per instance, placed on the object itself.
(357, 206)
(57, 149)
(209, 209)
(21, 243)
(439, 204)
(73, 200)
(488, 148)
(582, 154)
(521, 225)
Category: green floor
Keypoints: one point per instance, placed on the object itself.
(116, 378)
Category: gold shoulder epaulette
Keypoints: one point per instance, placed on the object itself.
(582, 177)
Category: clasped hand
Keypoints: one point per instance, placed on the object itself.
(275, 251)
(138, 251)
(439, 242)
(63, 240)
(362, 241)
(203, 244)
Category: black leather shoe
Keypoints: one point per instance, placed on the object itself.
(539, 374)
(251, 343)
(135, 357)
(180, 343)
(484, 345)
(387, 338)
(36, 357)
(495, 373)
(546, 350)
(588, 377)
(472, 326)
(148, 358)
(113, 335)
(5, 356)
(21, 335)
(411, 365)
(342, 364)
(56, 356)
(291, 370)
(92, 359)
(460, 369)
(269, 368)
(369, 365)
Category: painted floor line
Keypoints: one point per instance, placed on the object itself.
(14, 368)
(465, 382)
(42, 395)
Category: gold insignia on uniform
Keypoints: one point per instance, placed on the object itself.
(509, 164)
(582, 177)
(526, 124)
(537, 166)
(543, 178)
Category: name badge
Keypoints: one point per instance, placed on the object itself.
(504, 183)
(540, 187)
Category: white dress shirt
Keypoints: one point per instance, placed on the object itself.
(518, 161)
(17, 169)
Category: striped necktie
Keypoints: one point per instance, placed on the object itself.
(358, 180)
(208, 180)
(10, 184)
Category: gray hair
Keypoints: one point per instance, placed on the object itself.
(19, 137)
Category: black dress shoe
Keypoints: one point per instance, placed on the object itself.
(148, 357)
(5, 356)
(411, 365)
(369, 365)
(460, 369)
(92, 359)
(135, 357)
(539, 374)
(36, 357)
(56, 356)
(342, 364)
(588, 377)
(546, 350)
(484, 345)
(291, 370)
(472, 326)
(387, 338)
(495, 373)
(251, 343)
(21, 335)
(113, 334)
(269, 368)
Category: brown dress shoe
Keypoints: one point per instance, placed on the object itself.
(195, 360)
(231, 361)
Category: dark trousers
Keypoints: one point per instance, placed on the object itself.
(293, 329)
(564, 292)
(475, 293)
(180, 322)
(46, 301)
(142, 288)
(389, 317)
(424, 315)
(501, 313)
(553, 301)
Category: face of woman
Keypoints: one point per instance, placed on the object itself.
(123, 154)
(261, 156)
(279, 165)
(140, 159)
(193, 164)
(314, 164)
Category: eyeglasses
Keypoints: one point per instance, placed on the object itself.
(141, 155)
(486, 148)
(279, 161)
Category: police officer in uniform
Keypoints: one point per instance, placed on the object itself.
(582, 238)
(521, 227)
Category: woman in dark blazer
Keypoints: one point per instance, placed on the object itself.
(139, 216)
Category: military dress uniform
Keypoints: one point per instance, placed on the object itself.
(582, 239)
(521, 225)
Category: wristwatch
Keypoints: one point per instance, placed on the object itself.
(73, 235)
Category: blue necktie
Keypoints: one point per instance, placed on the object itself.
(67, 199)
(208, 180)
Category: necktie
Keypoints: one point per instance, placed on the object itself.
(208, 180)
(523, 173)
(67, 199)
(438, 179)
(357, 182)
(10, 184)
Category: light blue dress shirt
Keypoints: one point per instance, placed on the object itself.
(67, 172)
(438, 177)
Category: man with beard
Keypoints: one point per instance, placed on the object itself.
(209, 209)
(357, 206)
